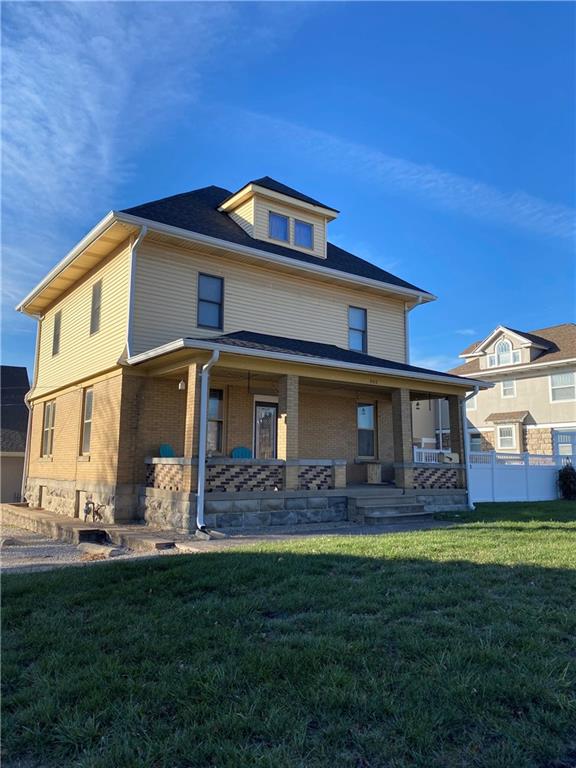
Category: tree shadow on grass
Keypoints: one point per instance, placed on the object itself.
(283, 658)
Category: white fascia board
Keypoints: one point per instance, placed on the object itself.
(495, 372)
(226, 245)
(179, 344)
(502, 329)
(87, 240)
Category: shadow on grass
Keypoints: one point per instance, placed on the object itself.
(291, 658)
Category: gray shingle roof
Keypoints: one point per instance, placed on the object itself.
(197, 211)
(14, 413)
(329, 352)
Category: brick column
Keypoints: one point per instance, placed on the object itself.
(402, 432)
(456, 426)
(191, 426)
(288, 427)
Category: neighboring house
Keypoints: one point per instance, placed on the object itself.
(304, 343)
(14, 386)
(532, 406)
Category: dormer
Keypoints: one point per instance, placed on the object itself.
(270, 211)
(505, 347)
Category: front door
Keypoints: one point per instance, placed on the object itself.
(265, 425)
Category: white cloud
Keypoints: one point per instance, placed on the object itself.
(444, 188)
(435, 362)
(466, 332)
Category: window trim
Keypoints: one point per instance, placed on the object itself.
(508, 381)
(282, 216)
(219, 451)
(360, 456)
(95, 318)
(51, 406)
(219, 304)
(307, 224)
(85, 421)
(56, 333)
(551, 388)
(364, 330)
(499, 438)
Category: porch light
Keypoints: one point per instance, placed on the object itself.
(181, 385)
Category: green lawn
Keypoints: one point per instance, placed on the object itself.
(451, 648)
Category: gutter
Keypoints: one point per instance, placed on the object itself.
(30, 408)
(466, 441)
(204, 382)
(133, 254)
(180, 344)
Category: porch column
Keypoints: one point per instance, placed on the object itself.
(191, 425)
(456, 426)
(288, 427)
(402, 432)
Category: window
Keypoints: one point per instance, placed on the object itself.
(48, 428)
(303, 234)
(215, 421)
(210, 301)
(506, 438)
(509, 388)
(562, 386)
(472, 404)
(366, 422)
(95, 309)
(491, 361)
(278, 227)
(86, 421)
(503, 352)
(357, 329)
(56, 333)
(476, 443)
(516, 356)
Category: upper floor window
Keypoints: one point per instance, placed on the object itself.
(215, 421)
(504, 354)
(303, 234)
(210, 301)
(48, 428)
(278, 226)
(472, 404)
(56, 333)
(95, 308)
(86, 421)
(357, 323)
(509, 388)
(563, 386)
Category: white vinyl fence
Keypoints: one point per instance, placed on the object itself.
(514, 476)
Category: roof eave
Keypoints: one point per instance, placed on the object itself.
(183, 343)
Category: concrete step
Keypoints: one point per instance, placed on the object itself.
(384, 501)
(52, 526)
(391, 516)
(139, 539)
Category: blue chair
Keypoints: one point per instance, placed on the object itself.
(166, 451)
(241, 453)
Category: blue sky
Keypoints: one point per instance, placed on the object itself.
(443, 132)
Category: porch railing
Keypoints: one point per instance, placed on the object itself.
(427, 455)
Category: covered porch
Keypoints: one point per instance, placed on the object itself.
(277, 427)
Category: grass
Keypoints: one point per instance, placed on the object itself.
(449, 648)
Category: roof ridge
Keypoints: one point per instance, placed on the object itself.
(179, 194)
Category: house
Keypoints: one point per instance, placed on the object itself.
(532, 406)
(213, 353)
(14, 386)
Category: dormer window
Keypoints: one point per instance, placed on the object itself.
(278, 227)
(303, 234)
(504, 355)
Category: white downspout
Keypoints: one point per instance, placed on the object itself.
(26, 400)
(466, 441)
(204, 382)
(133, 253)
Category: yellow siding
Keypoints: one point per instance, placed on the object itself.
(244, 216)
(256, 299)
(261, 208)
(81, 354)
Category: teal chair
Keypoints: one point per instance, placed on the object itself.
(241, 453)
(166, 451)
